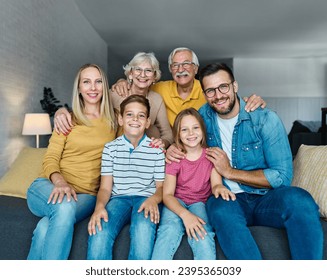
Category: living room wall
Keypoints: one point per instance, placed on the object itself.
(295, 88)
(42, 44)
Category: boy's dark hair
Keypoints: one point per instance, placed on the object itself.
(214, 68)
(135, 98)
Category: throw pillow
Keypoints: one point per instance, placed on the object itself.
(310, 173)
(23, 171)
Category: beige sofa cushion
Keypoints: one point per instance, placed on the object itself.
(310, 173)
(23, 171)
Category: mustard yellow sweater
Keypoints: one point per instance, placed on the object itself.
(77, 156)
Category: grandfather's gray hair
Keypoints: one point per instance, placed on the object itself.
(195, 59)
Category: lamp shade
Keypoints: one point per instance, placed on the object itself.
(37, 124)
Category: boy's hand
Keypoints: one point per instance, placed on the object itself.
(95, 220)
(150, 207)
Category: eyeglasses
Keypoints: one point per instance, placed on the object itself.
(186, 65)
(222, 88)
(147, 71)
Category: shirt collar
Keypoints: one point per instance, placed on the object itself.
(131, 149)
(193, 95)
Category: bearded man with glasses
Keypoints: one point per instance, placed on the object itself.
(251, 152)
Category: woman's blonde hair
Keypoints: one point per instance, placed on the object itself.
(106, 108)
(177, 127)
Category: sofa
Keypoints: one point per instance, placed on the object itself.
(17, 222)
(304, 132)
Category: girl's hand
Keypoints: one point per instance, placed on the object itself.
(221, 190)
(60, 189)
(193, 225)
(95, 220)
(150, 207)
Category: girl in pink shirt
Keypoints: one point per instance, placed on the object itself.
(187, 186)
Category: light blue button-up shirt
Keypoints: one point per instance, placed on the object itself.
(259, 142)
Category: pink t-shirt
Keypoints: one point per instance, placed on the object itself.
(192, 179)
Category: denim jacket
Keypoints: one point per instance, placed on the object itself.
(259, 142)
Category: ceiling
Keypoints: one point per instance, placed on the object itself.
(212, 28)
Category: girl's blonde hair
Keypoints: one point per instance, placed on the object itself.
(177, 127)
(106, 108)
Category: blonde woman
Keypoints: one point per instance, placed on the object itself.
(66, 191)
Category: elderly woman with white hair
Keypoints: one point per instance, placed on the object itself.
(141, 72)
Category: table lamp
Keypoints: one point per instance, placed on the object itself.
(37, 124)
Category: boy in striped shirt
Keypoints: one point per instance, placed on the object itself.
(132, 176)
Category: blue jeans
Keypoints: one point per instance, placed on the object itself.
(122, 210)
(291, 208)
(53, 235)
(171, 230)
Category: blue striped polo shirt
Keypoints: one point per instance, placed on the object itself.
(134, 171)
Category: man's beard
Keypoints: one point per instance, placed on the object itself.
(224, 111)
